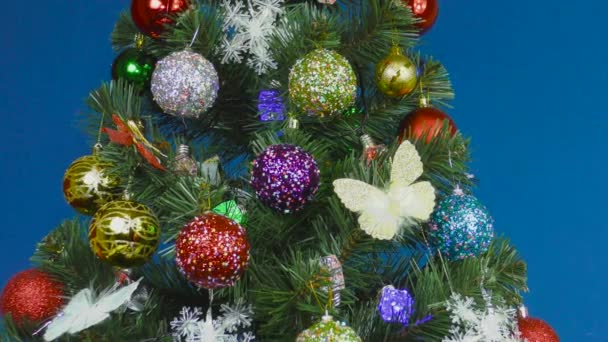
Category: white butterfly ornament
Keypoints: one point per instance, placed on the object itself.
(384, 212)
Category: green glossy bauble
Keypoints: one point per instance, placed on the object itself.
(88, 184)
(135, 66)
(124, 233)
(396, 74)
(322, 83)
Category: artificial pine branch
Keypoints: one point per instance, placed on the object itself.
(285, 280)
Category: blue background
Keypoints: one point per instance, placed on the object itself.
(530, 79)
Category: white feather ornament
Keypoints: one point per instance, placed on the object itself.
(384, 212)
(83, 311)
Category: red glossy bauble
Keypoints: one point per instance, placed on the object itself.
(31, 295)
(536, 330)
(212, 251)
(425, 120)
(426, 10)
(151, 16)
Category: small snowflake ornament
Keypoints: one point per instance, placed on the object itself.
(233, 317)
(248, 29)
(490, 324)
(186, 326)
(191, 327)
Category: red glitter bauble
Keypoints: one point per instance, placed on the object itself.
(212, 251)
(536, 330)
(31, 295)
(151, 16)
(425, 120)
(426, 10)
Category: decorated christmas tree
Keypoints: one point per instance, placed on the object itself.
(269, 170)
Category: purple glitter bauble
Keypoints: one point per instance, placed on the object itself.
(461, 227)
(285, 177)
(396, 306)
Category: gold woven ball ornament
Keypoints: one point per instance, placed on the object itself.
(396, 74)
(124, 233)
(88, 184)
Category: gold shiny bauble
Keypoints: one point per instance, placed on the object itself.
(396, 74)
(124, 233)
(88, 184)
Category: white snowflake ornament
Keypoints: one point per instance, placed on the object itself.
(191, 327)
(248, 30)
(186, 326)
(490, 324)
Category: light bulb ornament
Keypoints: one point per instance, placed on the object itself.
(183, 164)
(336, 276)
(371, 150)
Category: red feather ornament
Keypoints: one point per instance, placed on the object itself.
(128, 134)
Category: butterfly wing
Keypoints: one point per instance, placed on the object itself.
(407, 166)
(372, 203)
(382, 227)
(415, 201)
(357, 195)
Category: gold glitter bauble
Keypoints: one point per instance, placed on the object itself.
(322, 83)
(396, 74)
(329, 330)
(124, 233)
(87, 184)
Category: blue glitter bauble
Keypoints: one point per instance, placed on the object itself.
(285, 177)
(461, 227)
(396, 306)
(271, 106)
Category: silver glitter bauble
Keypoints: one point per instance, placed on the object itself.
(184, 84)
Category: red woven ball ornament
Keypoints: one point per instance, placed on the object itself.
(536, 330)
(31, 295)
(212, 251)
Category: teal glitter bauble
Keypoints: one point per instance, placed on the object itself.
(322, 83)
(461, 227)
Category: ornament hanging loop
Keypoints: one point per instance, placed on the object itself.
(210, 297)
(100, 131)
(97, 148)
(293, 123)
(425, 99)
(139, 40)
(126, 194)
(522, 311)
(198, 28)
